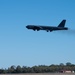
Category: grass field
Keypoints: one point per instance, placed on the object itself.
(42, 74)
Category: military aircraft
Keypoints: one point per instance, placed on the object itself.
(61, 26)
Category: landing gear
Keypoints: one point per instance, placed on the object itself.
(50, 30)
(47, 30)
(34, 29)
(37, 29)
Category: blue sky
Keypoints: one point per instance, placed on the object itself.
(19, 46)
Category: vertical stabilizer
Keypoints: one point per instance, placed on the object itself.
(62, 24)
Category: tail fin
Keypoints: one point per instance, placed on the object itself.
(62, 24)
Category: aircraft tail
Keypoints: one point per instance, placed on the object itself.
(62, 24)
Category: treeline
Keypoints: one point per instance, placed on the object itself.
(39, 69)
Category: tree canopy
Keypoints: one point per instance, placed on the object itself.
(39, 69)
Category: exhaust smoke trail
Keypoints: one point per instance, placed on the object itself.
(68, 32)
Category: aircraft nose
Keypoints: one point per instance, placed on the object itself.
(26, 26)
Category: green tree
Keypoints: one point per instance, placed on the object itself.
(11, 69)
(68, 64)
(18, 69)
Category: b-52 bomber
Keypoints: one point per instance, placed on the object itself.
(61, 26)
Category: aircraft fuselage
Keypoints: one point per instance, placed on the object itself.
(47, 28)
(61, 26)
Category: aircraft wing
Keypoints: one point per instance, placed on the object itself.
(34, 27)
(38, 27)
